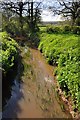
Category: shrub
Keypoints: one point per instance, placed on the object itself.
(66, 29)
(49, 29)
(76, 30)
(53, 29)
(12, 27)
(9, 51)
(57, 29)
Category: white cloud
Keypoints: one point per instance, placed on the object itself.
(47, 16)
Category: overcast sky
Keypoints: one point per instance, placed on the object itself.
(47, 16)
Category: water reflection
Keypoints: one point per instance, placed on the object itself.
(7, 83)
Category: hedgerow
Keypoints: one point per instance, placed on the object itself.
(63, 29)
(64, 51)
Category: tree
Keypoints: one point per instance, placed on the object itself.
(69, 9)
(27, 8)
(33, 14)
(14, 8)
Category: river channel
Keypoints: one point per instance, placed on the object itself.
(35, 96)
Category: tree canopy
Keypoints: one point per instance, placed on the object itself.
(21, 9)
(69, 9)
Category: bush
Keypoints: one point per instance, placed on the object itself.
(67, 29)
(57, 29)
(78, 21)
(9, 51)
(53, 29)
(49, 29)
(76, 30)
(12, 27)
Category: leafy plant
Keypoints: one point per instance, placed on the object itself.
(64, 51)
(9, 51)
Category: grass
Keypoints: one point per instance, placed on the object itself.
(42, 29)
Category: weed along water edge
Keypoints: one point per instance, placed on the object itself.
(35, 96)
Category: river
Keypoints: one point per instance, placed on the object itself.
(35, 96)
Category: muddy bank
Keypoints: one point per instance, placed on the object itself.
(35, 96)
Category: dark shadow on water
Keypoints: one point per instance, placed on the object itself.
(33, 40)
(7, 83)
(11, 90)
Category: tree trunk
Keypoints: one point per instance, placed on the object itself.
(20, 17)
(32, 14)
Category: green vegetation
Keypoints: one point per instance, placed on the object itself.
(13, 27)
(63, 29)
(9, 51)
(63, 50)
(59, 44)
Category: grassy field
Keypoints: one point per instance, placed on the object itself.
(63, 50)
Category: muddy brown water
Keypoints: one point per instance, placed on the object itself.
(36, 97)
